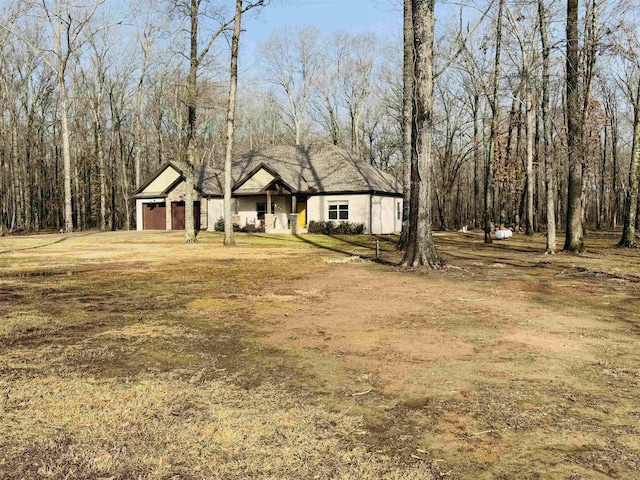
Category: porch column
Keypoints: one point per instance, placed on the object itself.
(168, 217)
(269, 217)
(294, 204)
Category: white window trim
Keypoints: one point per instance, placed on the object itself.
(338, 203)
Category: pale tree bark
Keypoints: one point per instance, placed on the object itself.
(137, 130)
(493, 135)
(17, 184)
(421, 248)
(102, 174)
(97, 106)
(530, 115)
(631, 205)
(612, 113)
(190, 147)
(574, 239)
(231, 113)
(546, 131)
(66, 154)
(475, 107)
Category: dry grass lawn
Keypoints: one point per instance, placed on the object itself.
(133, 356)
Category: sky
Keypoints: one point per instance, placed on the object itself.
(383, 17)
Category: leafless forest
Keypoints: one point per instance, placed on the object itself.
(530, 108)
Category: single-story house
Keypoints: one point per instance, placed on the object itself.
(285, 187)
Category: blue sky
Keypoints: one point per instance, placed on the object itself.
(383, 16)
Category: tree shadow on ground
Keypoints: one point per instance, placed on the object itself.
(371, 258)
(60, 240)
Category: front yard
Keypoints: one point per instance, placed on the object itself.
(131, 355)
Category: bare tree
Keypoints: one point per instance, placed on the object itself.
(407, 117)
(292, 62)
(355, 58)
(574, 234)
(231, 113)
(495, 121)
(420, 247)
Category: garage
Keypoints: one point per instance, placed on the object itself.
(178, 215)
(154, 216)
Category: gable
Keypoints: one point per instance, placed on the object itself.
(256, 182)
(163, 181)
(178, 190)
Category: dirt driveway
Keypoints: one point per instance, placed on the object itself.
(509, 365)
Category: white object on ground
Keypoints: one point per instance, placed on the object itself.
(503, 234)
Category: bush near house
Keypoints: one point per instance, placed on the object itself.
(336, 228)
(253, 229)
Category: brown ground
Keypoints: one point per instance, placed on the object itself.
(130, 355)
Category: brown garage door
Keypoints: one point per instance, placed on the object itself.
(154, 216)
(178, 215)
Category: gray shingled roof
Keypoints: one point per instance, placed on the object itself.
(316, 168)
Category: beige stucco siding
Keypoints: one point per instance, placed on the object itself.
(215, 211)
(164, 181)
(384, 216)
(259, 180)
(318, 207)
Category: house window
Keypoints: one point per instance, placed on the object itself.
(338, 210)
(261, 208)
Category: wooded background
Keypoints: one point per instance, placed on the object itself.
(120, 85)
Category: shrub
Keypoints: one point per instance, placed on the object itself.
(253, 229)
(333, 228)
(219, 226)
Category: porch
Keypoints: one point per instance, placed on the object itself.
(276, 211)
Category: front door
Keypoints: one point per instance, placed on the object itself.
(302, 214)
(178, 215)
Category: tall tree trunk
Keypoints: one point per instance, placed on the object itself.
(103, 175)
(421, 249)
(26, 173)
(189, 224)
(631, 205)
(614, 160)
(602, 206)
(492, 154)
(99, 134)
(476, 161)
(231, 115)
(126, 175)
(17, 184)
(574, 241)
(62, 105)
(546, 131)
(137, 123)
(407, 118)
(298, 131)
(530, 137)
